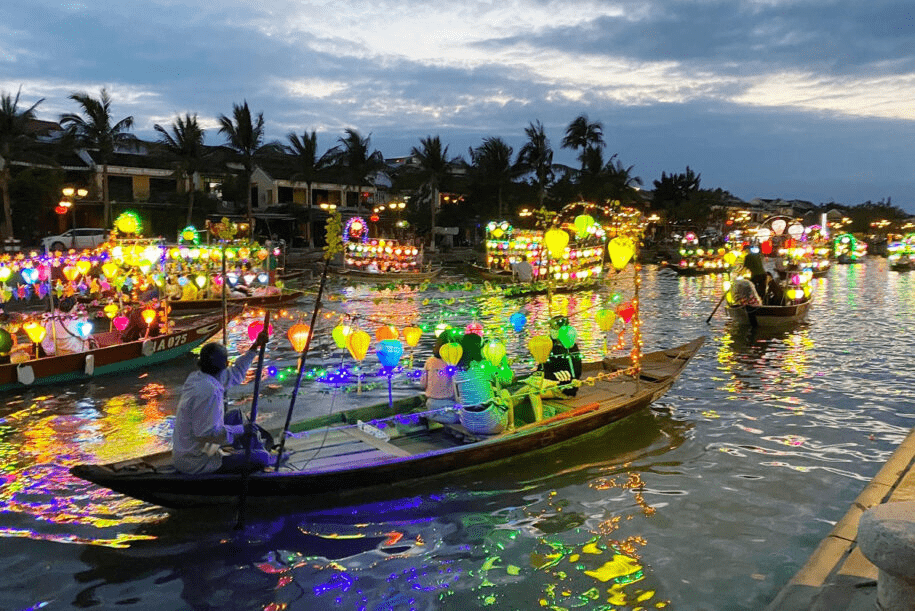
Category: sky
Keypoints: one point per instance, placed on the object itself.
(791, 99)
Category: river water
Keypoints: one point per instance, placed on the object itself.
(712, 499)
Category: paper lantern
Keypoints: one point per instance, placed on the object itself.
(385, 332)
(556, 241)
(127, 222)
(298, 336)
(567, 336)
(620, 250)
(605, 319)
(582, 223)
(4, 274)
(796, 231)
(110, 270)
(35, 331)
(494, 352)
(200, 281)
(29, 275)
(148, 315)
(84, 329)
(340, 335)
(256, 327)
(411, 335)
(441, 328)
(389, 352)
(517, 320)
(263, 278)
(540, 347)
(778, 226)
(189, 234)
(626, 311)
(451, 353)
(474, 327)
(6, 341)
(358, 344)
(120, 322)
(71, 273)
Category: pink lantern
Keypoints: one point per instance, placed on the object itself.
(256, 327)
(474, 327)
(120, 322)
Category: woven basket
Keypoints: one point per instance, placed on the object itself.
(489, 421)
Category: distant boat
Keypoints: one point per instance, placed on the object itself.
(187, 306)
(767, 316)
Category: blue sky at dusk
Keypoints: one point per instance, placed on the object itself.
(811, 100)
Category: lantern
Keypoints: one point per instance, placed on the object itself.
(385, 332)
(83, 266)
(200, 281)
(626, 311)
(6, 341)
(778, 226)
(517, 320)
(120, 322)
(110, 270)
(411, 335)
(298, 336)
(494, 352)
(556, 241)
(567, 336)
(35, 331)
(474, 327)
(127, 222)
(357, 343)
(29, 275)
(389, 352)
(441, 328)
(340, 335)
(451, 353)
(255, 328)
(605, 319)
(582, 223)
(620, 250)
(540, 347)
(148, 315)
(84, 329)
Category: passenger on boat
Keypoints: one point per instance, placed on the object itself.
(564, 364)
(753, 261)
(436, 380)
(137, 327)
(775, 295)
(743, 293)
(172, 288)
(189, 291)
(523, 271)
(62, 335)
(200, 429)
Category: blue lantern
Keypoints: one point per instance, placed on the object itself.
(518, 320)
(389, 352)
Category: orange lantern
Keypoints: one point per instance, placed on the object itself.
(148, 315)
(70, 273)
(385, 332)
(298, 336)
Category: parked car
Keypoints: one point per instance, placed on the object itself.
(78, 238)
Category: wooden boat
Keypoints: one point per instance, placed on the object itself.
(817, 269)
(416, 277)
(337, 459)
(542, 288)
(189, 306)
(492, 275)
(769, 315)
(111, 356)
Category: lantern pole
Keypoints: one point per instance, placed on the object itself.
(252, 429)
(225, 302)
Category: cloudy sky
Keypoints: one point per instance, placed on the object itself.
(805, 99)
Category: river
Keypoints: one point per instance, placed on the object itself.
(712, 499)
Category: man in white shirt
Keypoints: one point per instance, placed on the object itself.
(523, 271)
(200, 428)
(62, 336)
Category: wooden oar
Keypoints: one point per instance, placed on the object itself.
(252, 421)
(718, 305)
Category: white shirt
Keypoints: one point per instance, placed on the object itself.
(524, 271)
(64, 328)
(199, 420)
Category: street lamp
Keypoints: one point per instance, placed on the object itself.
(71, 194)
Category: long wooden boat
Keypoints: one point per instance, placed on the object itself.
(373, 452)
(189, 306)
(542, 288)
(769, 315)
(416, 277)
(111, 356)
(492, 275)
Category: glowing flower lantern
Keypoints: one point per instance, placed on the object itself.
(189, 234)
(340, 335)
(84, 329)
(475, 328)
(411, 335)
(35, 331)
(385, 332)
(110, 270)
(358, 344)
(605, 319)
(128, 222)
(540, 347)
(298, 336)
(120, 322)
(255, 328)
(451, 353)
(621, 251)
(518, 321)
(556, 241)
(494, 351)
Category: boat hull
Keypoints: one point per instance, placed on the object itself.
(769, 316)
(256, 301)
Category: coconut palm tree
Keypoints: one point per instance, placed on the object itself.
(245, 135)
(536, 157)
(493, 167)
(185, 145)
(355, 161)
(583, 134)
(14, 138)
(95, 131)
(306, 165)
(434, 166)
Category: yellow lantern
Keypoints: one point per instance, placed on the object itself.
(83, 266)
(540, 347)
(621, 250)
(110, 270)
(451, 353)
(340, 334)
(111, 310)
(556, 241)
(298, 336)
(582, 224)
(358, 344)
(70, 273)
(494, 352)
(605, 319)
(35, 331)
(148, 315)
(411, 335)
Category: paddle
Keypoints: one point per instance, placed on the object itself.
(723, 295)
(251, 429)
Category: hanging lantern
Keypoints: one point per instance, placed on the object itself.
(582, 224)
(148, 315)
(411, 335)
(474, 327)
(111, 310)
(389, 352)
(340, 334)
(35, 331)
(84, 328)
(778, 226)
(620, 250)
(200, 281)
(605, 319)
(626, 311)
(29, 275)
(128, 222)
(357, 343)
(385, 332)
(540, 347)
(494, 351)
(6, 341)
(451, 353)
(120, 322)
(567, 336)
(517, 320)
(441, 328)
(256, 327)
(298, 336)
(83, 266)
(796, 231)
(110, 270)
(556, 241)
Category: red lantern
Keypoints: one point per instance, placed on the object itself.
(374, 218)
(60, 209)
(626, 311)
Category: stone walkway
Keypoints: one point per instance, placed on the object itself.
(838, 577)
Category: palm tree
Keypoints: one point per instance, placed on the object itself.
(582, 134)
(185, 145)
(95, 131)
(355, 160)
(492, 164)
(536, 157)
(434, 165)
(14, 138)
(307, 166)
(245, 136)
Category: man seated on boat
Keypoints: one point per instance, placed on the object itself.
(201, 432)
(563, 364)
(62, 336)
(775, 295)
(523, 271)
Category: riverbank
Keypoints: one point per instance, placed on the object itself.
(838, 577)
